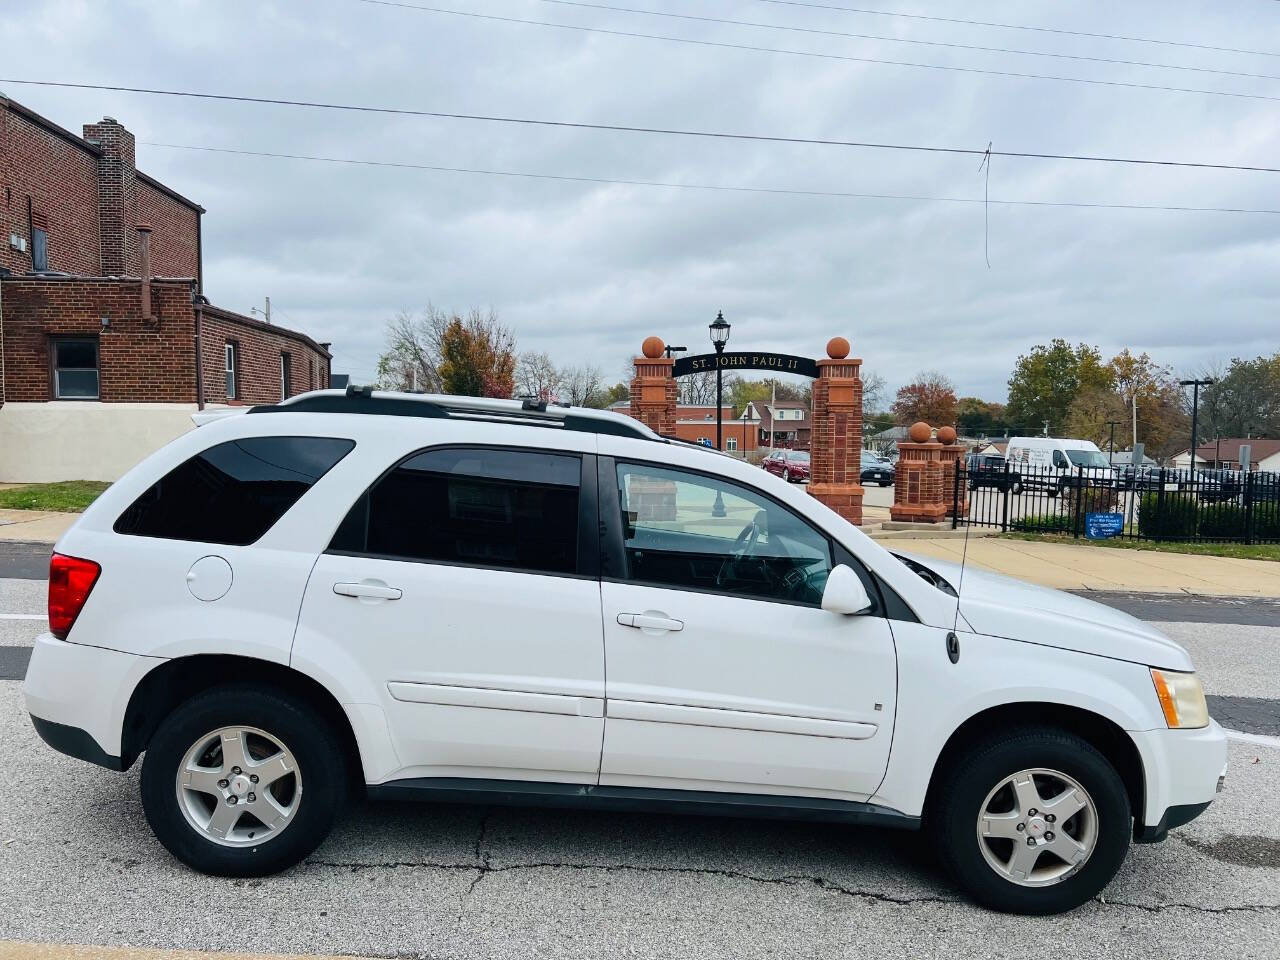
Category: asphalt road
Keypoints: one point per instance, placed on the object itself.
(78, 863)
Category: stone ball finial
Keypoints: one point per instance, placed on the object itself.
(837, 348)
(947, 435)
(920, 432)
(653, 347)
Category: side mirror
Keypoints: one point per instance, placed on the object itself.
(845, 593)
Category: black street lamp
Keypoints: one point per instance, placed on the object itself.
(1195, 386)
(719, 337)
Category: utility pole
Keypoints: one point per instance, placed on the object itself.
(266, 313)
(1195, 386)
(1111, 453)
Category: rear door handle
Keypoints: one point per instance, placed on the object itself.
(649, 621)
(368, 590)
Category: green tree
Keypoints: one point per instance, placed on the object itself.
(619, 391)
(977, 417)
(1045, 382)
(1245, 401)
(742, 392)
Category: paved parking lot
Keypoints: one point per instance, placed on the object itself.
(78, 864)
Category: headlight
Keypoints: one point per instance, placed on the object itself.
(1181, 698)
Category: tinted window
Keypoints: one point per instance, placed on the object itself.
(75, 369)
(234, 492)
(513, 509)
(687, 530)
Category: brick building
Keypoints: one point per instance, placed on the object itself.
(102, 313)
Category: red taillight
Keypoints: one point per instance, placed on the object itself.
(70, 580)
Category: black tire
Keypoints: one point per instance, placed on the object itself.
(968, 777)
(321, 761)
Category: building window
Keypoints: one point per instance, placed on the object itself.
(285, 364)
(75, 369)
(731, 443)
(39, 248)
(232, 367)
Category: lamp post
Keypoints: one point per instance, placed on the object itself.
(719, 337)
(1111, 450)
(1195, 386)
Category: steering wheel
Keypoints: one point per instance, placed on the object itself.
(743, 544)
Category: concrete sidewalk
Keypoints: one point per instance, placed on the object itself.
(34, 524)
(1067, 566)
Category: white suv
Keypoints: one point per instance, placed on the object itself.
(443, 598)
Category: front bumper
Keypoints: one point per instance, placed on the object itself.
(77, 696)
(1183, 769)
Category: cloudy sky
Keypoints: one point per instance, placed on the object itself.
(587, 270)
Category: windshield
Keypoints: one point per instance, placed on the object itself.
(1086, 458)
(798, 455)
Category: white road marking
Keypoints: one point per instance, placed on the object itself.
(1257, 739)
(24, 616)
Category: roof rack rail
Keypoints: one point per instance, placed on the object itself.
(365, 400)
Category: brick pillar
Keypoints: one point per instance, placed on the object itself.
(653, 389)
(117, 180)
(919, 479)
(835, 448)
(950, 456)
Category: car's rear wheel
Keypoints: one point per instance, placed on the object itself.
(1034, 822)
(243, 781)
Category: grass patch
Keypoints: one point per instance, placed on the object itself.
(69, 496)
(1240, 551)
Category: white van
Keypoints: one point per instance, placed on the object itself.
(1053, 463)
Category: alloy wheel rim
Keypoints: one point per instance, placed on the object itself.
(1037, 827)
(239, 786)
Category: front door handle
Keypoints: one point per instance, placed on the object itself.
(368, 590)
(650, 621)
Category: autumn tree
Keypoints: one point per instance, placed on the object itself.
(477, 356)
(931, 397)
(537, 377)
(1244, 401)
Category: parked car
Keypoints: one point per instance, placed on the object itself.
(1213, 485)
(992, 470)
(791, 465)
(1055, 463)
(1139, 477)
(875, 470)
(410, 596)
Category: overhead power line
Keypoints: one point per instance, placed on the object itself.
(666, 131)
(1019, 26)
(753, 48)
(566, 178)
(625, 128)
(926, 43)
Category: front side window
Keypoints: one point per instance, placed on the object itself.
(697, 532)
(231, 355)
(234, 492)
(75, 369)
(511, 509)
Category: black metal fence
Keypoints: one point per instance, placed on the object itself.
(1224, 506)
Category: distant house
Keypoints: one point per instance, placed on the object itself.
(785, 423)
(1225, 453)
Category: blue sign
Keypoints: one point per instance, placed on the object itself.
(1101, 526)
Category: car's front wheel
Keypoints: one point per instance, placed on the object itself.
(1033, 822)
(243, 781)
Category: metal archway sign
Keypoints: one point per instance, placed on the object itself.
(745, 360)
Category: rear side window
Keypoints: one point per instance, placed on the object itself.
(512, 509)
(234, 492)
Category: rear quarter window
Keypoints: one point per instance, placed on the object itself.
(234, 492)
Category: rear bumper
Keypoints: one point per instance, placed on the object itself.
(77, 696)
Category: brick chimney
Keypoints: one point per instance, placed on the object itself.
(117, 179)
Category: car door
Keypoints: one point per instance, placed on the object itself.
(463, 587)
(723, 672)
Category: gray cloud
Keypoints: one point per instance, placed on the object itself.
(586, 271)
